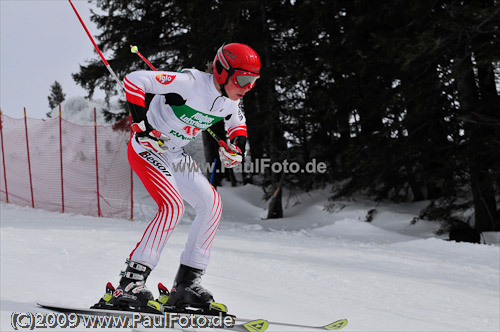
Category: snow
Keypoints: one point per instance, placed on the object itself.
(80, 110)
(311, 267)
(320, 263)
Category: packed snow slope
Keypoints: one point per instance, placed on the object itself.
(311, 267)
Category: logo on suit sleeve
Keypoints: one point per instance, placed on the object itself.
(165, 79)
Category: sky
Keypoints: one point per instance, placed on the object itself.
(41, 41)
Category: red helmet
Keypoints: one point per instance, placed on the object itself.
(238, 61)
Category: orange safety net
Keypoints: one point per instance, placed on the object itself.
(79, 189)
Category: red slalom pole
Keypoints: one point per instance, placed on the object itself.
(135, 50)
(96, 47)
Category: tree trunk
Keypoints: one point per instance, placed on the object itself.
(486, 134)
(276, 145)
(275, 205)
(477, 151)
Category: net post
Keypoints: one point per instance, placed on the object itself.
(29, 160)
(97, 165)
(61, 159)
(3, 158)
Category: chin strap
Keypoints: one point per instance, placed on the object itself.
(223, 90)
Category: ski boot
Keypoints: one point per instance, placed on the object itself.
(105, 301)
(187, 292)
(132, 293)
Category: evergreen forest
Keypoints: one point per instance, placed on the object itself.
(400, 99)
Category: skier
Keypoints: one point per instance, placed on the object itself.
(185, 103)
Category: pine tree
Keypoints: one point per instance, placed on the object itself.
(377, 91)
(56, 96)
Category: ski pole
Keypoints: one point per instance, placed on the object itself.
(96, 47)
(160, 141)
(135, 49)
(213, 171)
(220, 141)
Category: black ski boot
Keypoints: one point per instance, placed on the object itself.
(132, 293)
(187, 291)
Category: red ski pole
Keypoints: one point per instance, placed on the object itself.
(96, 47)
(100, 54)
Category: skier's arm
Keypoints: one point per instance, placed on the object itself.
(240, 142)
(138, 83)
(237, 128)
(145, 134)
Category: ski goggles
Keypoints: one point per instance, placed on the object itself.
(243, 78)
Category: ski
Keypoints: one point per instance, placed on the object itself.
(167, 320)
(335, 326)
